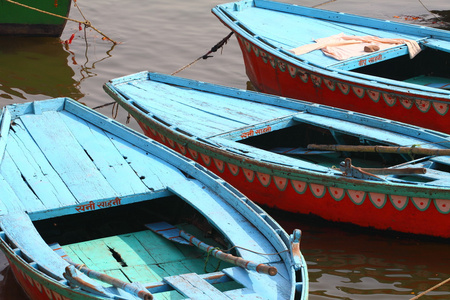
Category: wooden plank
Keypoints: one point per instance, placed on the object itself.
(21, 230)
(208, 113)
(156, 174)
(130, 250)
(227, 220)
(372, 133)
(105, 156)
(13, 176)
(144, 274)
(272, 287)
(167, 109)
(94, 254)
(193, 286)
(5, 124)
(159, 249)
(67, 157)
(220, 107)
(8, 199)
(36, 170)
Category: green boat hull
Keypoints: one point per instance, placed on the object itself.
(23, 21)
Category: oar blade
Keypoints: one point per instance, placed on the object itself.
(168, 231)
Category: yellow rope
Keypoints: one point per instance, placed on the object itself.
(86, 22)
(430, 289)
(323, 3)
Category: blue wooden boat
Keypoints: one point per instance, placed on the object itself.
(321, 56)
(298, 156)
(90, 209)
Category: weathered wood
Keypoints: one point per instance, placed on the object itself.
(413, 150)
(76, 165)
(128, 287)
(193, 286)
(164, 228)
(61, 159)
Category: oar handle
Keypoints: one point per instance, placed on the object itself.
(238, 261)
(128, 287)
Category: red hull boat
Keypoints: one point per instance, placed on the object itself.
(385, 83)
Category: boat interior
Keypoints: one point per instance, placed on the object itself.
(96, 201)
(296, 137)
(116, 241)
(429, 68)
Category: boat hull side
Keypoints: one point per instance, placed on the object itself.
(377, 210)
(273, 75)
(22, 21)
(36, 285)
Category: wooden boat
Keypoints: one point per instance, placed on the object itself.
(262, 144)
(87, 208)
(275, 39)
(37, 18)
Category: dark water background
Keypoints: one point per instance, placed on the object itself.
(164, 36)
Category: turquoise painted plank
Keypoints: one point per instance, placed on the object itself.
(105, 156)
(193, 286)
(94, 254)
(227, 220)
(208, 113)
(155, 174)
(158, 249)
(21, 230)
(30, 107)
(373, 134)
(223, 108)
(209, 124)
(272, 289)
(13, 176)
(130, 250)
(9, 202)
(37, 171)
(354, 19)
(438, 44)
(5, 124)
(144, 274)
(75, 167)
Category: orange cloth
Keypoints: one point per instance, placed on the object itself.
(342, 47)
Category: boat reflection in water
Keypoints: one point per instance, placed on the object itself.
(33, 67)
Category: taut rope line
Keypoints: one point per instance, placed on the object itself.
(213, 49)
(86, 22)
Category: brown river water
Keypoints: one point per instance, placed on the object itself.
(164, 36)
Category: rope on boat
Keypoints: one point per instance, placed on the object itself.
(437, 16)
(85, 22)
(205, 56)
(430, 289)
(213, 49)
(207, 260)
(323, 3)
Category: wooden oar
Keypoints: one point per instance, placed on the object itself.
(131, 288)
(380, 149)
(180, 236)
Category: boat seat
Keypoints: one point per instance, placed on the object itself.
(193, 286)
(371, 58)
(431, 81)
